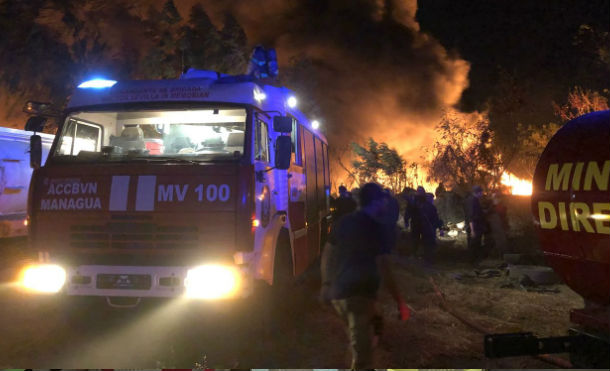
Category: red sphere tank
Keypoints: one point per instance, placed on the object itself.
(571, 205)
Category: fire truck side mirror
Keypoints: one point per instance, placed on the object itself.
(35, 123)
(283, 150)
(35, 151)
(282, 124)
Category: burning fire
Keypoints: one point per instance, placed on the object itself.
(517, 186)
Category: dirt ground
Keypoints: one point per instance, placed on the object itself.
(170, 335)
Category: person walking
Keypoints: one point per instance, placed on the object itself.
(475, 224)
(354, 263)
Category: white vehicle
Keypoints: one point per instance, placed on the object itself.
(15, 174)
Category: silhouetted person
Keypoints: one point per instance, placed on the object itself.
(391, 216)
(440, 190)
(355, 260)
(344, 204)
(475, 224)
(426, 221)
(412, 215)
(498, 223)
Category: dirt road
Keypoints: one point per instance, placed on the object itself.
(37, 334)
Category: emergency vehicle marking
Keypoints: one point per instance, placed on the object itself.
(557, 177)
(69, 188)
(576, 216)
(213, 192)
(145, 197)
(72, 188)
(118, 193)
(157, 93)
(166, 192)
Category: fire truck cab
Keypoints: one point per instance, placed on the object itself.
(195, 188)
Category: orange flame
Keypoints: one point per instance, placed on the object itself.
(517, 186)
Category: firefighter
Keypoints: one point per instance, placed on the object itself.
(355, 260)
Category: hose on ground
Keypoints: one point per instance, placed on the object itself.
(443, 303)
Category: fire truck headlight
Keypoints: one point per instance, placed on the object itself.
(212, 282)
(44, 278)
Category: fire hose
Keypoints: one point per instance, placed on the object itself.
(443, 303)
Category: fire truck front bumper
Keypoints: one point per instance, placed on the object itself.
(205, 282)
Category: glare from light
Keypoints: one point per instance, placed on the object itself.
(25, 222)
(292, 102)
(211, 282)
(259, 96)
(46, 278)
(256, 223)
(600, 216)
(315, 124)
(452, 233)
(461, 225)
(97, 84)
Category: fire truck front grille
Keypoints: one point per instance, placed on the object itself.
(134, 236)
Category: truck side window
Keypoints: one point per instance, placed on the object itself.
(82, 137)
(297, 155)
(262, 142)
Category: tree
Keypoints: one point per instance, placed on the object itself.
(379, 163)
(463, 154)
(165, 59)
(34, 63)
(235, 44)
(205, 47)
(580, 102)
(202, 40)
(367, 164)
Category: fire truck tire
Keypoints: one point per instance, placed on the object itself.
(283, 272)
(274, 300)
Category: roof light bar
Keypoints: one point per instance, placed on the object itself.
(97, 84)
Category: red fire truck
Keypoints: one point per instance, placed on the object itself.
(199, 187)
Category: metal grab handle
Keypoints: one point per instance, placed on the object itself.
(123, 306)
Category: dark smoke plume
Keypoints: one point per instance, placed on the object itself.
(367, 66)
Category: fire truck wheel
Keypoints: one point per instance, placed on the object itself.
(283, 272)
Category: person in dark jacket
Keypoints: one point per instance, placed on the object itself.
(354, 264)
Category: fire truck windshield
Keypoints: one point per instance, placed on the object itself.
(194, 135)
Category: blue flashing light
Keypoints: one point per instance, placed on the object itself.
(97, 84)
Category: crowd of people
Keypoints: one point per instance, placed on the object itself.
(363, 235)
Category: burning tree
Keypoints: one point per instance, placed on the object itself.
(463, 153)
(377, 162)
(580, 102)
